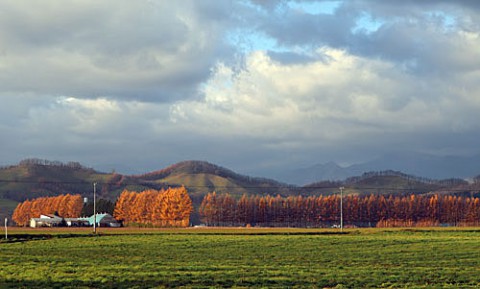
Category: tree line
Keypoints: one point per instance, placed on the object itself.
(324, 211)
(41, 162)
(407, 177)
(172, 208)
(164, 208)
(67, 206)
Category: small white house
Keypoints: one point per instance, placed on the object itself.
(46, 221)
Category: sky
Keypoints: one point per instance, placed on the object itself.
(256, 86)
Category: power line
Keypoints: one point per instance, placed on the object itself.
(45, 182)
(266, 188)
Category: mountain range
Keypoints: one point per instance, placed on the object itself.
(434, 167)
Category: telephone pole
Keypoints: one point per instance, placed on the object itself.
(341, 208)
(94, 208)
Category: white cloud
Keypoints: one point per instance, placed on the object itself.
(275, 81)
(323, 102)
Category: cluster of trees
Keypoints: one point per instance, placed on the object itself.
(101, 205)
(41, 162)
(407, 177)
(165, 208)
(405, 182)
(323, 211)
(67, 206)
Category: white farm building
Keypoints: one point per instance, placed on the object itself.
(49, 220)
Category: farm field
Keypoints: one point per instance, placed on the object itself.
(205, 258)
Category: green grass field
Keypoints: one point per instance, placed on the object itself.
(277, 258)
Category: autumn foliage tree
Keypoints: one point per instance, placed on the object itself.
(67, 206)
(165, 208)
(324, 211)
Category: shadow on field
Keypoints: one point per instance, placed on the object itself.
(16, 238)
(175, 283)
(85, 284)
(253, 233)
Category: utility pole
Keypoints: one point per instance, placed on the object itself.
(341, 208)
(94, 208)
(6, 229)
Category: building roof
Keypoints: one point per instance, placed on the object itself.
(75, 219)
(47, 220)
(99, 218)
(50, 216)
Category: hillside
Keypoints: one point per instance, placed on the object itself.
(393, 182)
(34, 178)
(203, 177)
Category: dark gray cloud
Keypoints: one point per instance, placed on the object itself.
(150, 50)
(257, 86)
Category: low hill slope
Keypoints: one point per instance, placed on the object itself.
(35, 178)
(203, 177)
(6, 209)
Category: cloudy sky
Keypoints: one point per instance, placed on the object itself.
(256, 86)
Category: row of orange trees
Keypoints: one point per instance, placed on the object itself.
(165, 208)
(67, 206)
(320, 211)
(173, 206)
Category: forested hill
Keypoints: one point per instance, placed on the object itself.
(34, 178)
(394, 182)
(203, 177)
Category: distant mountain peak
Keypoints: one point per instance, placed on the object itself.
(412, 163)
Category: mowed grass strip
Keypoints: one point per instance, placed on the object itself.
(359, 259)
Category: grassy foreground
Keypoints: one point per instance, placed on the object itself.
(241, 258)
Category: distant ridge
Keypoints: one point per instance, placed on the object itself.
(391, 182)
(425, 165)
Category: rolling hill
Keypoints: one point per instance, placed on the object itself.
(33, 178)
(203, 177)
(394, 182)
